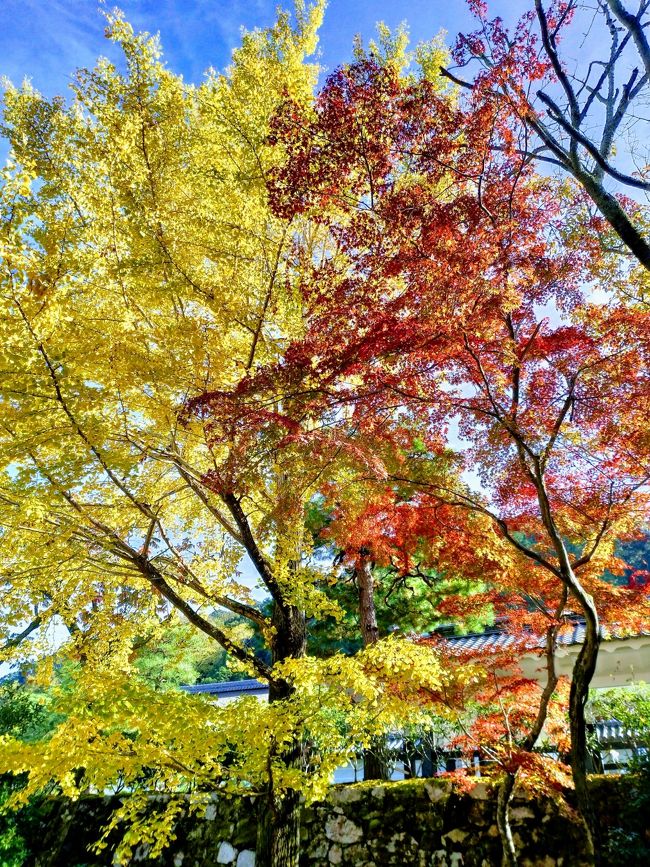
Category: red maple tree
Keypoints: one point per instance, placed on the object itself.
(454, 290)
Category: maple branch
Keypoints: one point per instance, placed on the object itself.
(371, 184)
(551, 674)
(549, 43)
(522, 446)
(504, 713)
(607, 73)
(497, 409)
(446, 73)
(630, 92)
(633, 239)
(581, 561)
(585, 558)
(559, 421)
(465, 502)
(562, 156)
(551, 529)
(515, 372)
(523, 549)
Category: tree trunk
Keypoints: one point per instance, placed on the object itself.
(367, 610)
(617, 218)
(289, 642)
(509, 858)
(278, 830)
(583, 671)
(608, 205)
(375, 766)
(506, 788)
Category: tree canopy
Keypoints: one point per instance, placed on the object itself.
(354, 336)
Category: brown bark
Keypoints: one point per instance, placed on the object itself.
(278, 835)
(278, 831)
(374, 762)
(375, 766)
(618, 219)
(507, 786)
(551, 674)
(367, 610)
(289, 642)
(278, 828)
(575, 117)
(583, 671)
(503, 821)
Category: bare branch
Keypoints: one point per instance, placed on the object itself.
(556, 114)
(17, 639)
(252, 549)
(634, 26)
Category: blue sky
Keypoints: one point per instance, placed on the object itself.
(46, 40)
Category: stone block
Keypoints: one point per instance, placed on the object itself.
(226, 853)
(436, 792)
(246, 858)
(335, 855)
(342, 830)
(518, 814)
(348, 795)
(456, 835)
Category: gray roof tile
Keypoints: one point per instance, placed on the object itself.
(501, 640)
(228, 687)
(481, 641)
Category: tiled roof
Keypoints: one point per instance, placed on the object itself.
(229, 687)
(501, 640)
(479, 641)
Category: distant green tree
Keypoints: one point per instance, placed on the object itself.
(404, 603)
(181, 655)
(24, 714)
(636, 554)
(630, 706)
(629, 845)
(24, 711)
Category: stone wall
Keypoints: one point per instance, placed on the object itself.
(420, 822)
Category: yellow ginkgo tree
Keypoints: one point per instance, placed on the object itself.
(140, 266)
